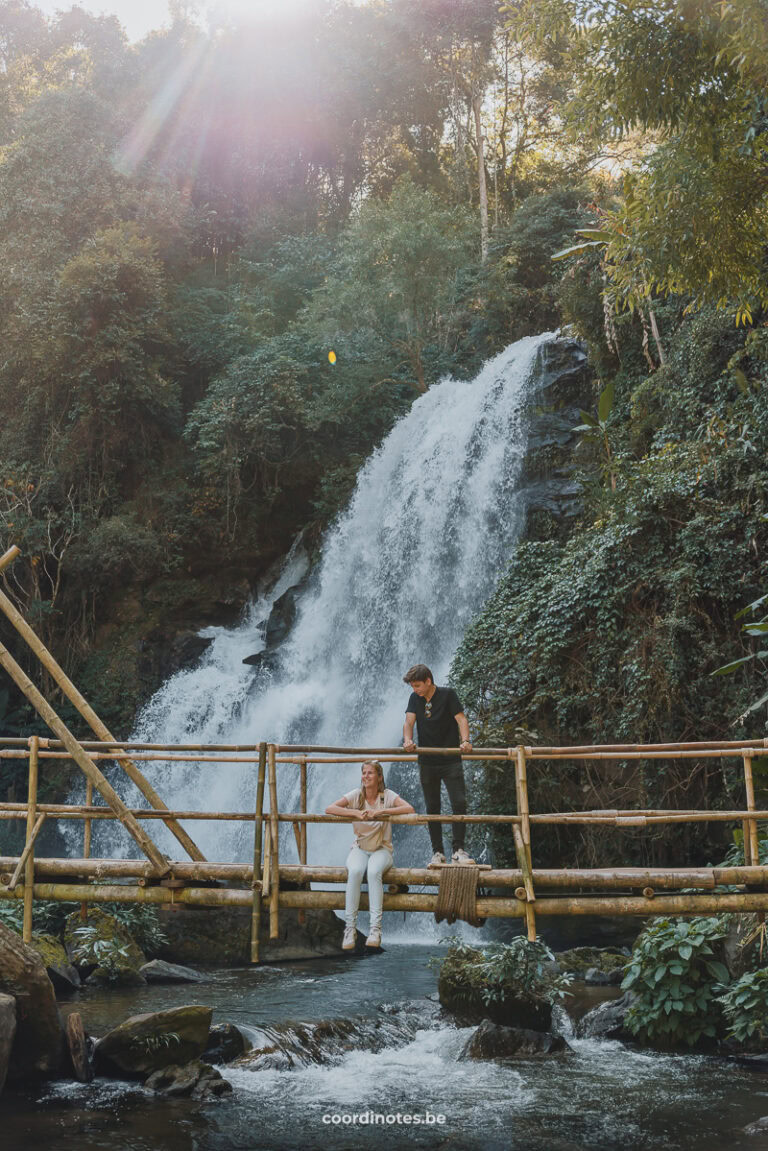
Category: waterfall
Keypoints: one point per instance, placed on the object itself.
(428, 531)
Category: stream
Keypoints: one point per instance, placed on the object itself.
(603, 1097)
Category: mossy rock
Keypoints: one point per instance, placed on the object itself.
(123, 969)
(460, 993)
(61, 972)
(579, 960)
(148, 1042)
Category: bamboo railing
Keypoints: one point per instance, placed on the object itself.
(524, 892)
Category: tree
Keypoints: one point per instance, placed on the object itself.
(396, 278)
(693, 217)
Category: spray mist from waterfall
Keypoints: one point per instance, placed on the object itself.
(430, 527)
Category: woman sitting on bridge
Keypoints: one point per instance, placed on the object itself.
(372, 849)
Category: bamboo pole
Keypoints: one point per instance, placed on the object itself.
(9, 557)
(80, 811)
(87, 828)
(303, 806)
(274, 896)
(258, 827)
(522, 836)
(80, 757)
(29, 876)
(302, 916)
(266, 878)
(487, 907)
(27, 857)
(607, 879)
(752, 823)
(92, 719)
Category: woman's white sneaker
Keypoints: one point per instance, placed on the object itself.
(437, 860)
(460, 856)
(349, 942)
(374, 936)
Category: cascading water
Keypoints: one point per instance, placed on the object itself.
(427, 533)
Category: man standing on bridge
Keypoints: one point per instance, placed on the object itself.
(440, 722)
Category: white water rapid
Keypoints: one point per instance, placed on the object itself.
(428, 531)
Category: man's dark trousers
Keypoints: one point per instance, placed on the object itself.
(452, 775)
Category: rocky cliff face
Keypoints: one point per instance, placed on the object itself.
(560, 388)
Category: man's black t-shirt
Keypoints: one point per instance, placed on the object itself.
(435, 722)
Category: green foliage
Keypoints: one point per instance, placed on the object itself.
(48, 916)
(106, 954)
(672, 974)
(745, 1006)
(516, 970)
(143, 923)
(610, 631)
(692, 218)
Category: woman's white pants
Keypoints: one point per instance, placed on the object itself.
(376, 863)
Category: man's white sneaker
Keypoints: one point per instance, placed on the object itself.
(437, 859)
(460, 856)
(374, 936)
(349, 942)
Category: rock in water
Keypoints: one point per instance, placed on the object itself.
(146, 1043)
(79, 1049)
(491, 1041)
(158, 971)
(607, 1020)
(225, 1043)
(7, 1033)
(197, 1079)
(39, 1043)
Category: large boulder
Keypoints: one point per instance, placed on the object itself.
(196, 1079)
(38, 1046)
(103, 934)
(7, 1033)
(490, 1041)
(222, 935)
(62, 974)
(145, 1043)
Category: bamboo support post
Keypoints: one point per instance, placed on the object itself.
(89, 715)
(302, 917)
(87, 829)
(91, 771)
(31, 834)
(258, 827)
(266, 878)
(752, 823)
(274, 896)
(524, 831)
(303, 808)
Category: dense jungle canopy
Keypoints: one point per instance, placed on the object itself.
(190, 224)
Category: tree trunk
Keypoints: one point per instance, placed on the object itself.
(39, 1043)
(477, 101)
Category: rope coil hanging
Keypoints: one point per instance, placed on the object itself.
(457, 895)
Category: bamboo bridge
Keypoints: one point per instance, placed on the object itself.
(279, 875)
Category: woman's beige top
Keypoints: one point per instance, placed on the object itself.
(378, 833)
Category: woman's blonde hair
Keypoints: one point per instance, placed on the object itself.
(380, 780)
